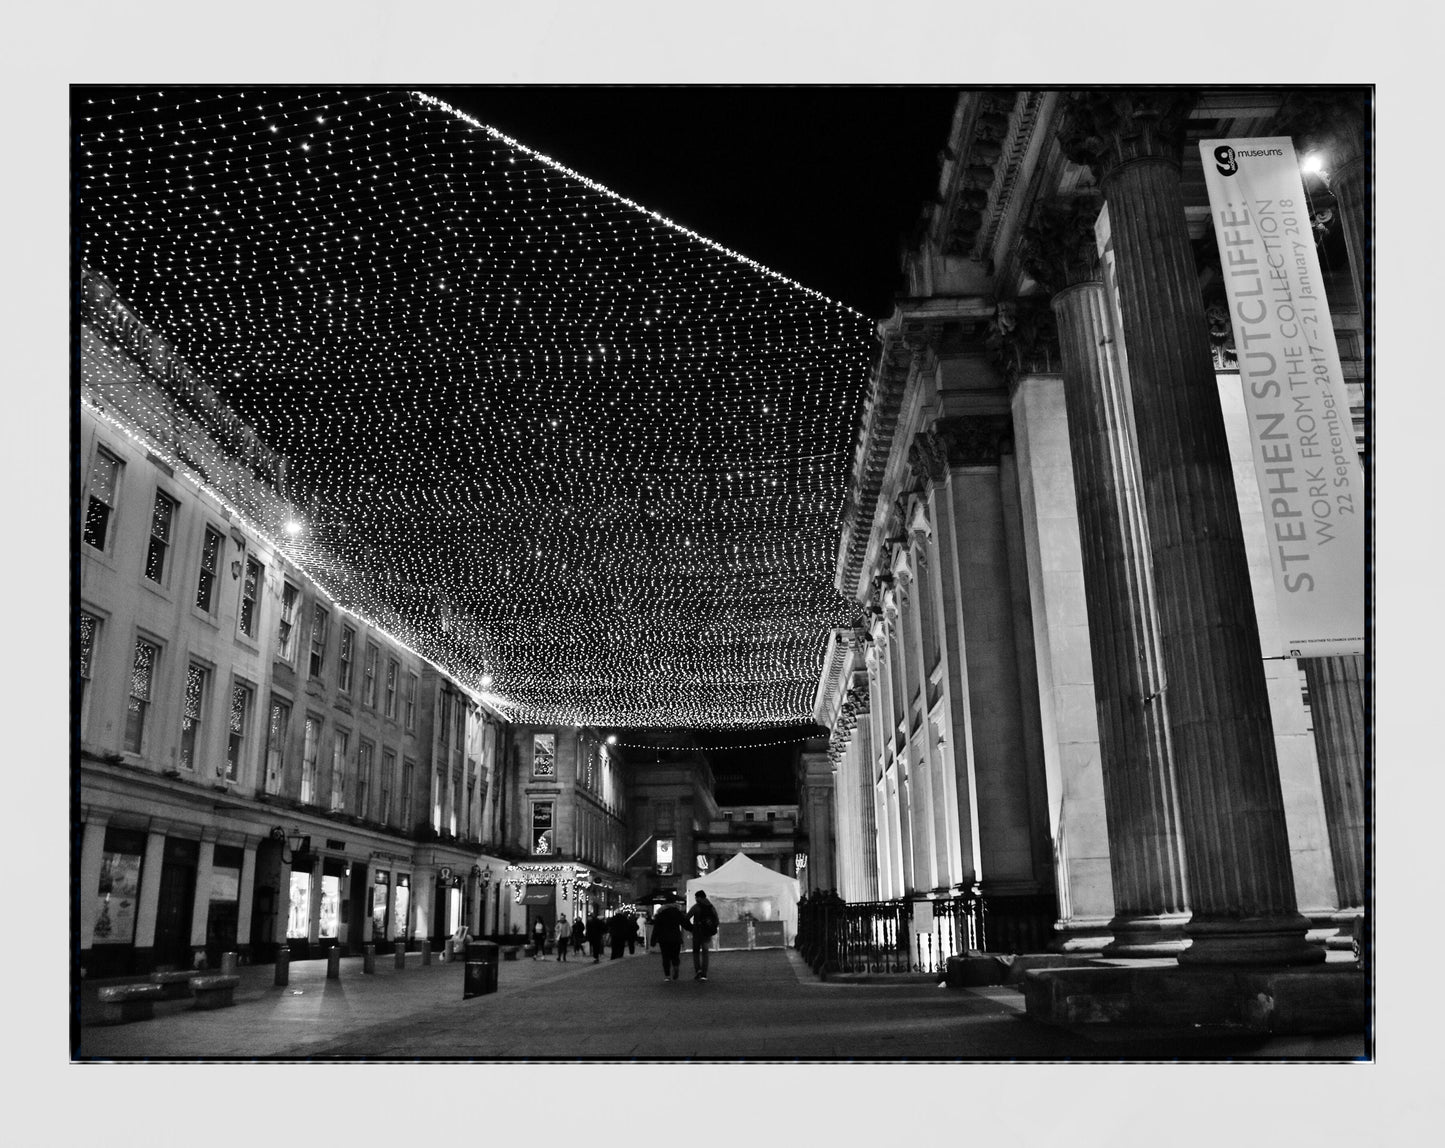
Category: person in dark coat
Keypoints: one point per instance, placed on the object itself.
(634, 936)
(596, 931)
(539, 937)
(579, 933)
(702, 919)
(667, 929)
(619, 928)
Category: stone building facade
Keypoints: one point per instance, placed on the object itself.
(1064, 696)
(256, 764)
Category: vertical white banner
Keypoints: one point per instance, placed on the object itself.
(1310, 480)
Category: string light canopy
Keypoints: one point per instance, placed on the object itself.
(588, 461)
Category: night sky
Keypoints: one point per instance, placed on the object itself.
(819, 184)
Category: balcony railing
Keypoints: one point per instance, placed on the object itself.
(918, 934)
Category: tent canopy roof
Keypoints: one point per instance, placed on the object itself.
(742, 872)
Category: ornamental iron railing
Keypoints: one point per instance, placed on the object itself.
(918, 934)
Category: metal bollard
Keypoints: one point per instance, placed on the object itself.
(283, 967)
(228, 964)
(368, 958)
(401, 954)
(426, 951)
(333, 963)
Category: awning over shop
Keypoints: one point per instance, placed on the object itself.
(539, 895)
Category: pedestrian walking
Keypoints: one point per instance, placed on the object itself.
(702, 919)
(596, 930)
(619, 928)
(634, 935)
(667, 929)
(579, 933)
(539, 937)
(563, 937)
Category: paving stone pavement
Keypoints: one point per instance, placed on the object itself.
(757, 1006)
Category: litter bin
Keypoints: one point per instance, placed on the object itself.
(483, 957)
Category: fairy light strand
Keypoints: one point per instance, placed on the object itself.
(553, 439)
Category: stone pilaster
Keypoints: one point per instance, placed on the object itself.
(1141, 799)
(1241, 886)
(818, 803)
(245, 897)
(862, 750)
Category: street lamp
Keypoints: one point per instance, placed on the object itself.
(298, 842)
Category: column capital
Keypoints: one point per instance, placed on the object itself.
(1059, 248)
(976, 440)
(1023, 339)
(1328, 120)
(1105, 130)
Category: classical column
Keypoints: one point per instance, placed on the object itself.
(818, 798)
(1140, 792)
(1235, 842)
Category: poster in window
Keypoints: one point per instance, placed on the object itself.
(225, 884)
(664, 855)
(116, 898)
(544, 755)
(298, 916)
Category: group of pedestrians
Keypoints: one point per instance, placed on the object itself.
(622, 931)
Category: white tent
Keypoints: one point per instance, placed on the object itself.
(746, 893)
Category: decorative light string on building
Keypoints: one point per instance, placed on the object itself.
(551, 438)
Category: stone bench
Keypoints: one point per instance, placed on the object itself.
(120, 1004)
(214, 991)
(175, 986)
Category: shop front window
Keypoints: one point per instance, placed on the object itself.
(298, 918)
(402, 902)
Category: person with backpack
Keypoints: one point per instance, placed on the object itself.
(702, 920)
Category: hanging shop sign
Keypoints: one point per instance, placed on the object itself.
(1311, 484)
(664, 855)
